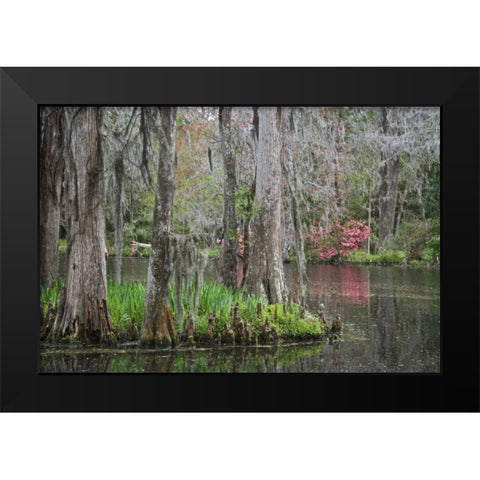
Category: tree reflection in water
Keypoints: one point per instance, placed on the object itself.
(391, 318)
(266, 359)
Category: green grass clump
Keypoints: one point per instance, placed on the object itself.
(289, 322)
(49, 296)
(390, 257)
(362, 257)
(126, 305)
(218, 298)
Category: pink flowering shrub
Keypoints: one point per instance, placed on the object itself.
(240, 240)
(241, 244)
(340, 240)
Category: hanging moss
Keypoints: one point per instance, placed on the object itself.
(188, 267)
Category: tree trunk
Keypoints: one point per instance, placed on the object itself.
(369, 219)
(229, 215)
(422, 189)
(118, 220)
(83, 311)
(249, 207)
(387, 198)
(291, 179)
(387, 201)
(51, 170)
(265, 270)
(401, 207)
(158, 324)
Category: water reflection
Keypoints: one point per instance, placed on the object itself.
(391, 318)
(262, 359)
(386, 326)
(337, 284)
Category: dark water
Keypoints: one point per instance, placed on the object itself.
(391, 318)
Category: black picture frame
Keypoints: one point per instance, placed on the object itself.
(455, 90)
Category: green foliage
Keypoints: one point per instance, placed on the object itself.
(362, 257)
(289, 322)
(431, 193)
(434, 244)
(246, 208)
(126, 302)
(138, 224)
(428, 255)
(218, 298)
(214, 251)
(417, 236)
(50, 295)
(357, 186)
(196, 203)
(127, 250)
(238, 360)
(390, 257)
(431, 253)
(62, 245)
(182, 122)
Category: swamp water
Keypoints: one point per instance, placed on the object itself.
(391, 323)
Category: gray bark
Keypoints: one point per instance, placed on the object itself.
(387, 197)
(230, 223)
(247, 221)
(118, 219)
(82, 310)
(401, 207)
(265, 271)
(292, 182)
(51, 170)
(158, 324)
(369, 209)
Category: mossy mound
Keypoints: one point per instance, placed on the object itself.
(223, 316)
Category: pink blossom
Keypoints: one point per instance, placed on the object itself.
(340, 239)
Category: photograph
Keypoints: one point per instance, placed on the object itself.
(239, 239)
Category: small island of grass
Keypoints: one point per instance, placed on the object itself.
(223, 316)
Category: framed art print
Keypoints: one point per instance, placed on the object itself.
(239, 239)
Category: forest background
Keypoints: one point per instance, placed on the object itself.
(255, 186)
(347, 166)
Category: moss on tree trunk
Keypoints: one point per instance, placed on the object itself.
(51, 170)
(265, 269)
(158, 324)
(82, 313)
